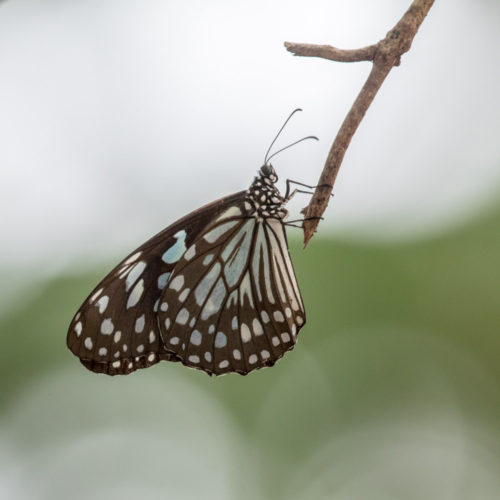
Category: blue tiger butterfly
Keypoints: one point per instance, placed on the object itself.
(216, 291)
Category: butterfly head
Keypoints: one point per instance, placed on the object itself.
(267, 172)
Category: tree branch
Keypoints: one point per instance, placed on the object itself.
(385, 55)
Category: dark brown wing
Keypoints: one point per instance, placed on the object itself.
(115, 331)
(233, 303)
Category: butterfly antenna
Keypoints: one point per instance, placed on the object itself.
(293, 144)
(266, 159)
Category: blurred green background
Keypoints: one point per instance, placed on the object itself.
(393, 390)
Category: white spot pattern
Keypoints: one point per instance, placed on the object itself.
(285, 337)
(278, 316)
(107, 327)
(134, 274)
(135, 294)
(139, 323)
(177, 283)
(78, 328)
(213, 235)
(257, 327)
(220, 340)
(162, 280)
(182, 316)
(175, 252)
(195, 337)
(246, 336)
(102, 303)
(190, 252)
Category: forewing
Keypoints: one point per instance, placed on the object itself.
(115, 331)
(233, 304)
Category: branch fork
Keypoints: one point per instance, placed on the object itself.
(384, 55)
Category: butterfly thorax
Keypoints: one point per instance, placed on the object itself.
(263, 199)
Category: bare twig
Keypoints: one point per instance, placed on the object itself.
(385, 55)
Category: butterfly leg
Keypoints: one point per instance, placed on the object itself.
(289, 194)
(293, 223)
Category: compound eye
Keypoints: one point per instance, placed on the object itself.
(266, 170)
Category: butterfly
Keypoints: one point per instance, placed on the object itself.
(215, 291)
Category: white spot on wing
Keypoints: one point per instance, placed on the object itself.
(252, 359)
(190, 252)
(220, 340)
(195, 337)
(96, 295)
(175, 252)
(246, 336)
(132, 258)
(135, 294)
(103, 351)
(224, 363)
(246, 290)
(134, 274)
(257, 327)
(107, 327)
(236, 253)
(117, 336)
(208, 258)
(162, 280)
(177, 283)
(285, 337)
(230, 212)
(236, 354)
(184, 294)
(206, 284)
(194, 359)
(78, 328)
(139, 323)
(182, 316)
(102, 303)
(278, 316)
(214, 302)
(88, 343)
(213, 235)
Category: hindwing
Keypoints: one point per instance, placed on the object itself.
(232, 303)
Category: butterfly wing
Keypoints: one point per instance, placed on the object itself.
(233, 303)
(115, 331)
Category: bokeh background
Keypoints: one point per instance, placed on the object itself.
(117, 117)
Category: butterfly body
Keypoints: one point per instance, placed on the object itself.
(216, 291)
